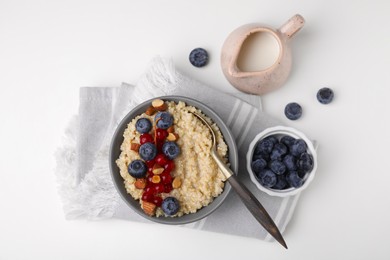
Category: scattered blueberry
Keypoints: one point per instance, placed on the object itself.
(267, 178)
(278, 151)
(281, 182)
(137, 169)
(290, 161)
(293, 111)
(143, 125)
(147, 151)
(299, 146)
(171, 150)
(293, 179)
(287, 140)
(305, 162)
(170, 206)
(164, 120)
(258, 165)
(199, 57)
(325, 95)
(277, 167)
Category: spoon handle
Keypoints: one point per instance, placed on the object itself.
(250, 201)
(257, 210)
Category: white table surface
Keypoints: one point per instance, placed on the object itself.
(48, 49)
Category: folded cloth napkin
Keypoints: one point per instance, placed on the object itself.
(85, 185)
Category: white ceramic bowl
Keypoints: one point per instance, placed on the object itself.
(282, 130)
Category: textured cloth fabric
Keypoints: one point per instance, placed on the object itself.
(85, 184)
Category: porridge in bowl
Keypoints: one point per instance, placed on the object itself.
(165, 160)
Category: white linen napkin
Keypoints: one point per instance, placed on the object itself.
(85, 184)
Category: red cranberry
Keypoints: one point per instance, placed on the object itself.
(146, 138)
(167, 188)
(166, 178)
(149, 190)
(161, 134)
(150, 163)
(147, 197)
(158, 188)
(157, 200)
(161, 159)
(169, 166)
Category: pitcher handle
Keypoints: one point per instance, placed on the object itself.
(292, 26)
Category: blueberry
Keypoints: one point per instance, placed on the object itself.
(273, 139)
(147, 151)
(293, 111)
(267, 178)
(278, 151)
(301, 173)
(170, 206)
(137, 169)
(164, 120)
(281, 183)
(293, 179)
(171, 150)
(264, 146)
(258, 165)
(277, 167)
(290, 161)
(287, 140)
(325, 95)
(143, 125)
(261, 155)
(305, 162)
(299, 146)
(259, 175)
(199, 57)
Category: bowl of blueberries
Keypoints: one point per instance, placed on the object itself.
(281, 161)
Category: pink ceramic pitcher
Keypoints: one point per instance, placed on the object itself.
(265, 80)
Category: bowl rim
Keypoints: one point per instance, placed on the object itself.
(232, 153)
(286, 131)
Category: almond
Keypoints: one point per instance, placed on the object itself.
(159, 104)
(171, 129)
(134, 146)
(172, 137)
(156, 179)
(162, 108)
(150, 111)
(140, 184)
(157, 169)
(148, 207)
(176, 183)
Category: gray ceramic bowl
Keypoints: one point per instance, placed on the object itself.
(118, 180)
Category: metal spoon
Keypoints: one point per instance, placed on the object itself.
(250, 201)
